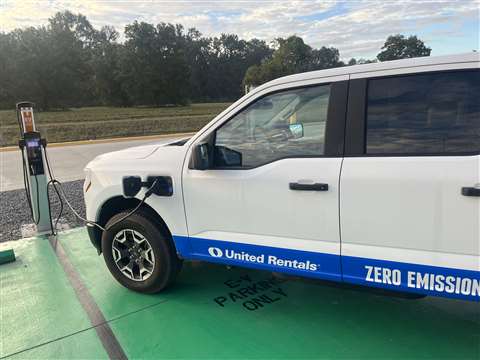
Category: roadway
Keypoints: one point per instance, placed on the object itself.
(67, 161)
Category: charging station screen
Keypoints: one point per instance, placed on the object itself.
(33, 143)
(34, 154)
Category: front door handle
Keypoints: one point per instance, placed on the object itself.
(471, 191)
(308, 187)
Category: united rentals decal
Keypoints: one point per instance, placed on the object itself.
(263, 259)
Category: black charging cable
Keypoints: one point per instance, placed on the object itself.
(63, 197)
(60, 200)
(38, 201)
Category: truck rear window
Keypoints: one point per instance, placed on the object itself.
(435, 113)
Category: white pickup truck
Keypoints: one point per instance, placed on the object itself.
(366, 174)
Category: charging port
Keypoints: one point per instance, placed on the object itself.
(158, 185)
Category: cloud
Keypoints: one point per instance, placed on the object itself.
(357, 27)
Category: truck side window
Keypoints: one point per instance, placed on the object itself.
(282, 125)
(436, 113)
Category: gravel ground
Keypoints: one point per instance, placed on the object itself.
(15, 212)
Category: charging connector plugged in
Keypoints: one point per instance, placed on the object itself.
(158, 185)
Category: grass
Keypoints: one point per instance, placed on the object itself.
(109, 122)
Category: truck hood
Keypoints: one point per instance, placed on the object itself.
(129, 156)
(137, 152)
(144, 151)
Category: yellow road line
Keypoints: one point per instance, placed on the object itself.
(100, 141)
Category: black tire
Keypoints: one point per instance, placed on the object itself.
(167, 264)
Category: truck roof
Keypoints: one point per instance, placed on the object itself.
(385, 65)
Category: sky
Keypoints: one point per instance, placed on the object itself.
(358, 28)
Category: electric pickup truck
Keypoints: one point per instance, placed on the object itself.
(365, 174)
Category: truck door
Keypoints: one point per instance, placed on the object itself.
(270, 200)
(410, 205)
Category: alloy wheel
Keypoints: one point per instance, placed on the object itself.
(133, 255)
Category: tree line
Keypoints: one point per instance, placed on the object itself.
(69, 63)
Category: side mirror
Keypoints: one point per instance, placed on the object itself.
(201, 157)
(296, 130)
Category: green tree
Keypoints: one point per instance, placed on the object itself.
(399, 47)
(70, 63)
(8, 70)
(360, 61)
(228, 60)
(291, 56)
(49, 65)
(107, 61)
(71, 38)
(154, 67)
(197, 54)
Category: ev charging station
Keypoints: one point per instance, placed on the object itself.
(33, 159)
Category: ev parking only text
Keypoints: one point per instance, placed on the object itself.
(252, 294)
(423, 281)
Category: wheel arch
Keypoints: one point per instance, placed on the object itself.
(117, 204)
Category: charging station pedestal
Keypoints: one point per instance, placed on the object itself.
(34, 167)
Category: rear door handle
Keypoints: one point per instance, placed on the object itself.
(308, 187)
(471, 191)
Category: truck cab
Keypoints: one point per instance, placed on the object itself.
(365, 174)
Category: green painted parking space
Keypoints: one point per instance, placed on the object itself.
(215, 312)
(40, 316)
(83, 345)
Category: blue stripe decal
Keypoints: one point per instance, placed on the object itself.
(295, 262)
(423, 279)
